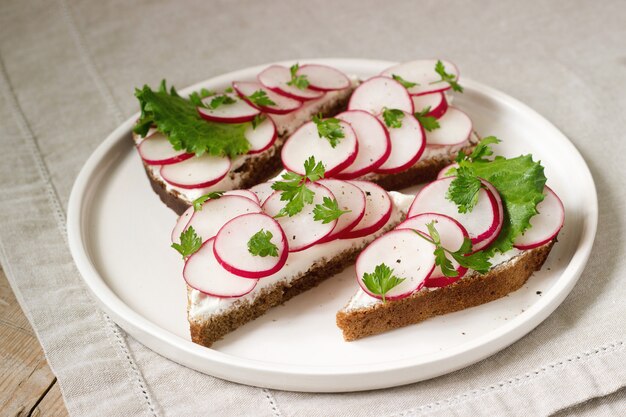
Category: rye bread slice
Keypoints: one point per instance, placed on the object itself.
(472, 290)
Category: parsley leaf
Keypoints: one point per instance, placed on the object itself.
(428, 122)
(393, 117)
(258, 119)
(189, 244)
(229, 90)
(221, 100)
(178, 119)
(294, 190)
(483, 149)
(196, 97)
(329, 129)
(299, 81)
(463, 190)
(328, 211)
(405, 83)
(381, 281)
(198, 202)
(260, 244)
(478, 261)
(260, 99)
(447, 78)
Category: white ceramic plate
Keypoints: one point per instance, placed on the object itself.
(119, 235)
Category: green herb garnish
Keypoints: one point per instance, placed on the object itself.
(428, 122)
(393, 117)
(328, 211)
(381, 281)
(478, 261)
(329, 129)
(196, 97)
(299, 81)
(178, 119)
(198, 202)
(446, 77)
(220, 100)
(294, 190)
(259, 98)
(258, 119)
(260, 244)
(405, 83)
(189, 244)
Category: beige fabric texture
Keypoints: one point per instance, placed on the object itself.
(67, 74)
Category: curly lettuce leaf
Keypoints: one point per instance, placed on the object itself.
(178, 119)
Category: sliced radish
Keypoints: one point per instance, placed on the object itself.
(379, 93)
(301, 229)
(306, 142)
(452, 235)
(263, 191)
(455, 127)
(436, 102)
(445, 172)
(480, 223)
(181, 224)
(378, 208)
(282, 104)
(231, 246)
(374, 143)
(244, 193)
(216, 212)
(487, 241)
(407, 145)
(204, 273)
(276, 77)
(423, 73)
(198, 172)
(156, 149)
(261, 137)
(407, 254)
(545, 225)
(324, 78)
(349, 197)
(238, 112)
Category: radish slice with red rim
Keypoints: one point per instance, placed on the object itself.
(349, 197)
(262, 137)
(276, 77)
(156, 149)
(282, 104)
(324, 78)
(301, 229)
(197, 172)
(373, 141)
(232, 252)
(238, 112)
(263, 191)
(407, 145)
(545, 225)
(245, 193)
(306, 142)
(407, 254)
(204, 273)
(445, 172)
(379, 93)
(423, 73)
(488, 240)
(181, 224)
(480, 223)
(435, 102)
(378, 208)
(215, 213)
(455, 127)
(452, 235)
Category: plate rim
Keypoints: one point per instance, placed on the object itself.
(315, 378)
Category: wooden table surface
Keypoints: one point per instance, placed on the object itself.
(27, 385)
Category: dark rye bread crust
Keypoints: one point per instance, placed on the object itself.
(208, 331)
(468, 292)
(255, 170)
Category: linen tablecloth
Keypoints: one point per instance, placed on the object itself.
(67, 73)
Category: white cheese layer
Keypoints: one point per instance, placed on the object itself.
(298, 263)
